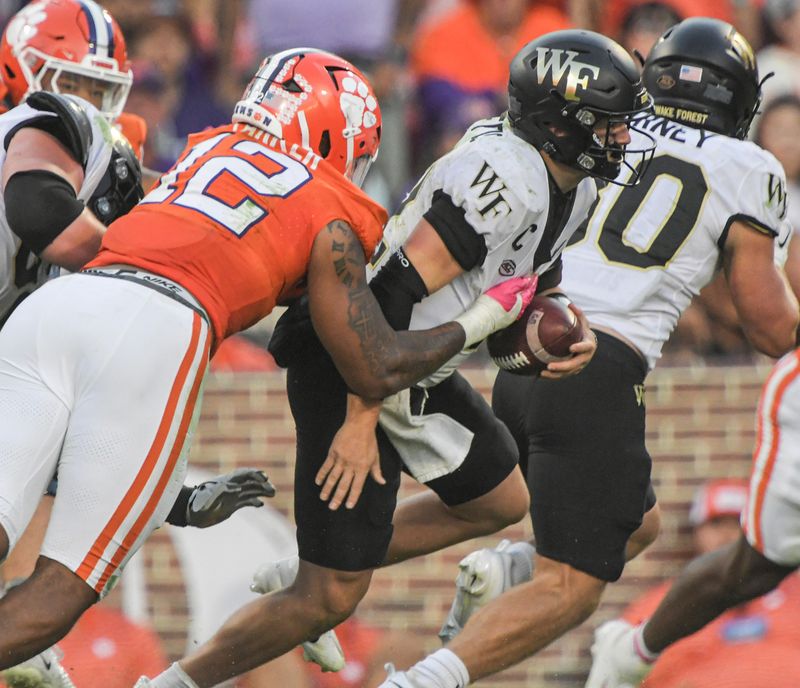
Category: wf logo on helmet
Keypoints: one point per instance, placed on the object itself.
(743, 49)
(557, 62)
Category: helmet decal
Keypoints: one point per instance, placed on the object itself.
(23, 26)
(101, 31)
(315, 99)
(743, 49)
(555, 62)
(358, 105)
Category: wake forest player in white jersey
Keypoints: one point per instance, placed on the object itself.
(66, 173)
(708, 201)
(492, 198)
(502, 204)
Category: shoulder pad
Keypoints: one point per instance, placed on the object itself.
(73, 115)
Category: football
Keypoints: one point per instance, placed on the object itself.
(543, 333)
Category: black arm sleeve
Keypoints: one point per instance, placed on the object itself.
(397, 287)
(39, 206)
(467, 247)
(551, 278)
(177, 515)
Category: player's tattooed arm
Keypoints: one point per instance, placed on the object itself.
(373, 358)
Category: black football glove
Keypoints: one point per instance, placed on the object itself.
(216, 500)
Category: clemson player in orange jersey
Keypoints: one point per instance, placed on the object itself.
(101, 371)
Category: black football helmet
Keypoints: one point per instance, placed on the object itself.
(121, 186)
(702, 72)
(565, 83)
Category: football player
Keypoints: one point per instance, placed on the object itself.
(58, 151)
(66, 172)
(101, 370)
(765, 552)
(502, 204)
(710, 200)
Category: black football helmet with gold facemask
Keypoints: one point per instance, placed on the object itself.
(702, 72)
(563, 87)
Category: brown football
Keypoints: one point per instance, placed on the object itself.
(543, 334)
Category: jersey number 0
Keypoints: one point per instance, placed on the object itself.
(668, 182)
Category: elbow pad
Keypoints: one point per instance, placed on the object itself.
(39, 206)
(397, 287)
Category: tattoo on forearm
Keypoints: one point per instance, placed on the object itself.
(411, 355)
(364, 318)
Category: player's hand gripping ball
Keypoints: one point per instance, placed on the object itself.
(543, 334)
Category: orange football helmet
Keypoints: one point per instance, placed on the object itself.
(50, 44)
(319, 101)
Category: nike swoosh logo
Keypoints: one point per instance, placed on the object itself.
(47, 663)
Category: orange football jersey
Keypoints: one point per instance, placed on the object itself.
(753, 645)
(133, 128)
(234, 222)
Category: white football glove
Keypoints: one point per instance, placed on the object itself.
(496, 309)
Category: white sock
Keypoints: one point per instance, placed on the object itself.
(442, 669)
(641, 647)
(174, 677)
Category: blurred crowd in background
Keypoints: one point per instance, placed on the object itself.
(437, 66)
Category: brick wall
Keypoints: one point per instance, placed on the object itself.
(700, 425)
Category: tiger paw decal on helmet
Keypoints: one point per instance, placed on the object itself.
(319, 101)
(358, 105)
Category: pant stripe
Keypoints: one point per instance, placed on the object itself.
(149, 508)
(98, 548)
(768, 441)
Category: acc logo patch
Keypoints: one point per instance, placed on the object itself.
(507, 268)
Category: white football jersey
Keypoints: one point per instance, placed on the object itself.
(23, 271)
(501, 183)
(650, 248)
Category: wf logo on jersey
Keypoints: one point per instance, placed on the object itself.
(776, 195)
(491, 187)
(555, 63)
